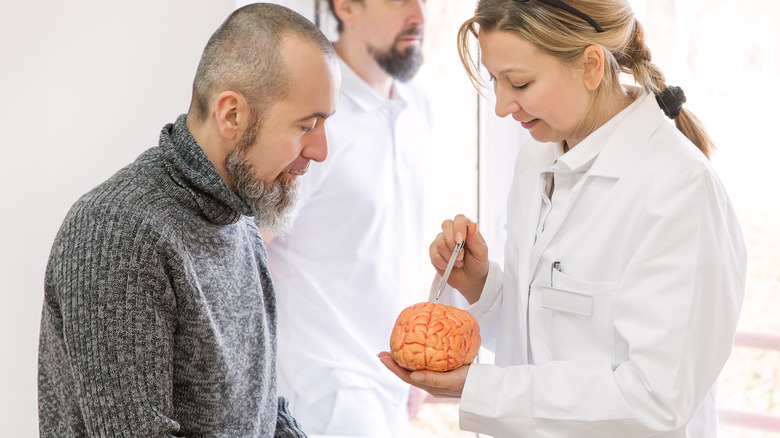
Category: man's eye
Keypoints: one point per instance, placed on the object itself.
(309, 128)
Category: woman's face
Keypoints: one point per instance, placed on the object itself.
(548, 98)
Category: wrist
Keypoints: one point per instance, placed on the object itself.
(474, 291)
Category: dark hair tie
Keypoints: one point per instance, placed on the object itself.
(671, 101)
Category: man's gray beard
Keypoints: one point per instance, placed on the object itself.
(270, 206)
(400, 65)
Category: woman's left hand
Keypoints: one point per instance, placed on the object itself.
(438, 384)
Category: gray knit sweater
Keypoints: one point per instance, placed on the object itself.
(159, 316)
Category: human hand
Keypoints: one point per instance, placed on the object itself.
(470, 270)
(438, 384)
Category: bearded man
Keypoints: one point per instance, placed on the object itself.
(159, 314)
(355, 256)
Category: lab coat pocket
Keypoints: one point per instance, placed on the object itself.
(579, 318)
(567, 301)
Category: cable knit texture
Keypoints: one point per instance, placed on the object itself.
(159, 315)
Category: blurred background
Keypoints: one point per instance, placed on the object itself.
(89, 84)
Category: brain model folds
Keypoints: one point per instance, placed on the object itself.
(433, 336)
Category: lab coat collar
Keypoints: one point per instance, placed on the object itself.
(580, 157)
(608, 150)
(356, 89)
(638, 122)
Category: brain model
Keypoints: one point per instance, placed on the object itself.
(433, 336)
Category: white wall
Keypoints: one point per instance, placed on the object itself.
(86, 86)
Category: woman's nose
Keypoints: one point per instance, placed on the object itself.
(505, 105)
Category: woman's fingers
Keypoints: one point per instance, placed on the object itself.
(453, 231)
(471, 264)
(476, 245)
(439, 384)
(437, 253)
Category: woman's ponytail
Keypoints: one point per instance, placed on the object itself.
(637, 61)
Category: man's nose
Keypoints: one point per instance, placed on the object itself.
(317, 149)
(418, 12)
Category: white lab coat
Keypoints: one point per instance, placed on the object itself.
(640, 320)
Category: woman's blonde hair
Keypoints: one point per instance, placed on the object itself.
(565, 36)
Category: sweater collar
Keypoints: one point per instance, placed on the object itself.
(194, 172)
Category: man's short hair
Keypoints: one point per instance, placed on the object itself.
(244, 55)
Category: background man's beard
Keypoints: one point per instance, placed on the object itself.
(400, 65)
(270, 206)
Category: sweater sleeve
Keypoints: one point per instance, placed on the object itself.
(286, 425)
(111, 308)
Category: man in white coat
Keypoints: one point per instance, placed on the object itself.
(355, 256)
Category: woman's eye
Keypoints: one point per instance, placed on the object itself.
(519, 87)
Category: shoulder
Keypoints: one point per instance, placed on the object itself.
(647, 145)
(669, 167)
(134, 188)
(669, 152)
(130, 202)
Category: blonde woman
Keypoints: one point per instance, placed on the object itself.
(624, 270)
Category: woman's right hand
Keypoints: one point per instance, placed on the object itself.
(471, 267)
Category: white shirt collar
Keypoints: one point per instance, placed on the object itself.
(356, 89)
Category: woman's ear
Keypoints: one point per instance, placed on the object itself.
(593, 64)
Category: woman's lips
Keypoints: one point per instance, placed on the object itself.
(529, 124)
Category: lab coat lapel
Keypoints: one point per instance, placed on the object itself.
(611, 162)
(525, 205)
(544, 239)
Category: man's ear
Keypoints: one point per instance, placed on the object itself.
(345, 10)
(593, 64)
(231, 111)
